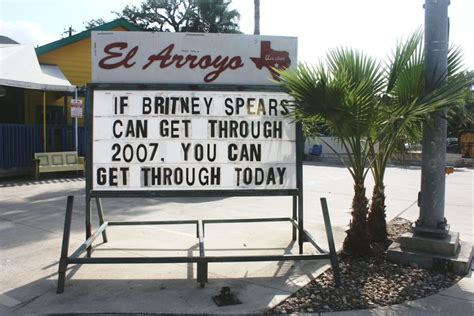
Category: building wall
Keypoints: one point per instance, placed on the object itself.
(74, 60)
(324, 141)
(34, 101)
(11, 106)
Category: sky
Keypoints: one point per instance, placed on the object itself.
(371, 25)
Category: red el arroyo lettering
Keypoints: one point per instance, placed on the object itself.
(219, 63)
(114, 55)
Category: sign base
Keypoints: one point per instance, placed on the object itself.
(202, 261)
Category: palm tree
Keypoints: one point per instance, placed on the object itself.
(342, 98)
(404, 78)
(403, 108)
(371, 112)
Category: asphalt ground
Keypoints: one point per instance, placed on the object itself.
(31, 226)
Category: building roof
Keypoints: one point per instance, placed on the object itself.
(19, 67)
(7, 40)
(85, 34)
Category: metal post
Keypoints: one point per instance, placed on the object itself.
(100, 213)
(89, 172)
(88, 223)
(64, 250)
(75, 127)
(202, 266)
(44, 121)
(64, 134)
(332, 248)
(299, 184)
(256, 5)
(432, 220)
(294, 215)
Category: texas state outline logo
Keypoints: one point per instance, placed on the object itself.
(271, 59)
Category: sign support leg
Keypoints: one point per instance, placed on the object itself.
(65, 246)
(332, 248)
(201, 265)
(202, 273)
(88, 223)
(299, 184)
(295, 216)
(100, 212)
(300, 223)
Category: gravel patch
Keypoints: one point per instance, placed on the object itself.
(368, 282)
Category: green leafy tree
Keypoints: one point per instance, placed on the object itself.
(94, 23)
(208, 16)
(214, 16)
(160, 15)
(461, 115)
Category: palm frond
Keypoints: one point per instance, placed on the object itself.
(407, 54)
(455, 60)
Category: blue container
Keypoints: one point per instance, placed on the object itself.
(317, 150)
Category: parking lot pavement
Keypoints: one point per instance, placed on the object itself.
(32, 218)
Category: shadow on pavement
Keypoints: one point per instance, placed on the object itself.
(154, 288)
(44, 179)
(43, 212)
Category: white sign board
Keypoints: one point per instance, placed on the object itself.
(192, 140)
(189, 58)
(76, 108)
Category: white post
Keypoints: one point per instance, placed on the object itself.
(75, 128)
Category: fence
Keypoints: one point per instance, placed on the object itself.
(18, 143)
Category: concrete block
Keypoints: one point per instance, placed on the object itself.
(447, 246)
(459, 263)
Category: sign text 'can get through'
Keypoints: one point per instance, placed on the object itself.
(192, 140)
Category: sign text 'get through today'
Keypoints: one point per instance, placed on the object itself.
(199, 140)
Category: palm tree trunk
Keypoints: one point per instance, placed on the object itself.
(357, 239)
(377, 225)
(256, 4)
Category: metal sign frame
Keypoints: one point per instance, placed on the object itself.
(296, 219)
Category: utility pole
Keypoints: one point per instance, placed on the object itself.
(433, 245)
(256, 17)
(69, 31)
(431, 199)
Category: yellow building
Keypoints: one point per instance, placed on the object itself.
(22, 114)
(73, 56)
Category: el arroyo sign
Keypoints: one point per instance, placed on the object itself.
(189, 58)
(159, 140)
